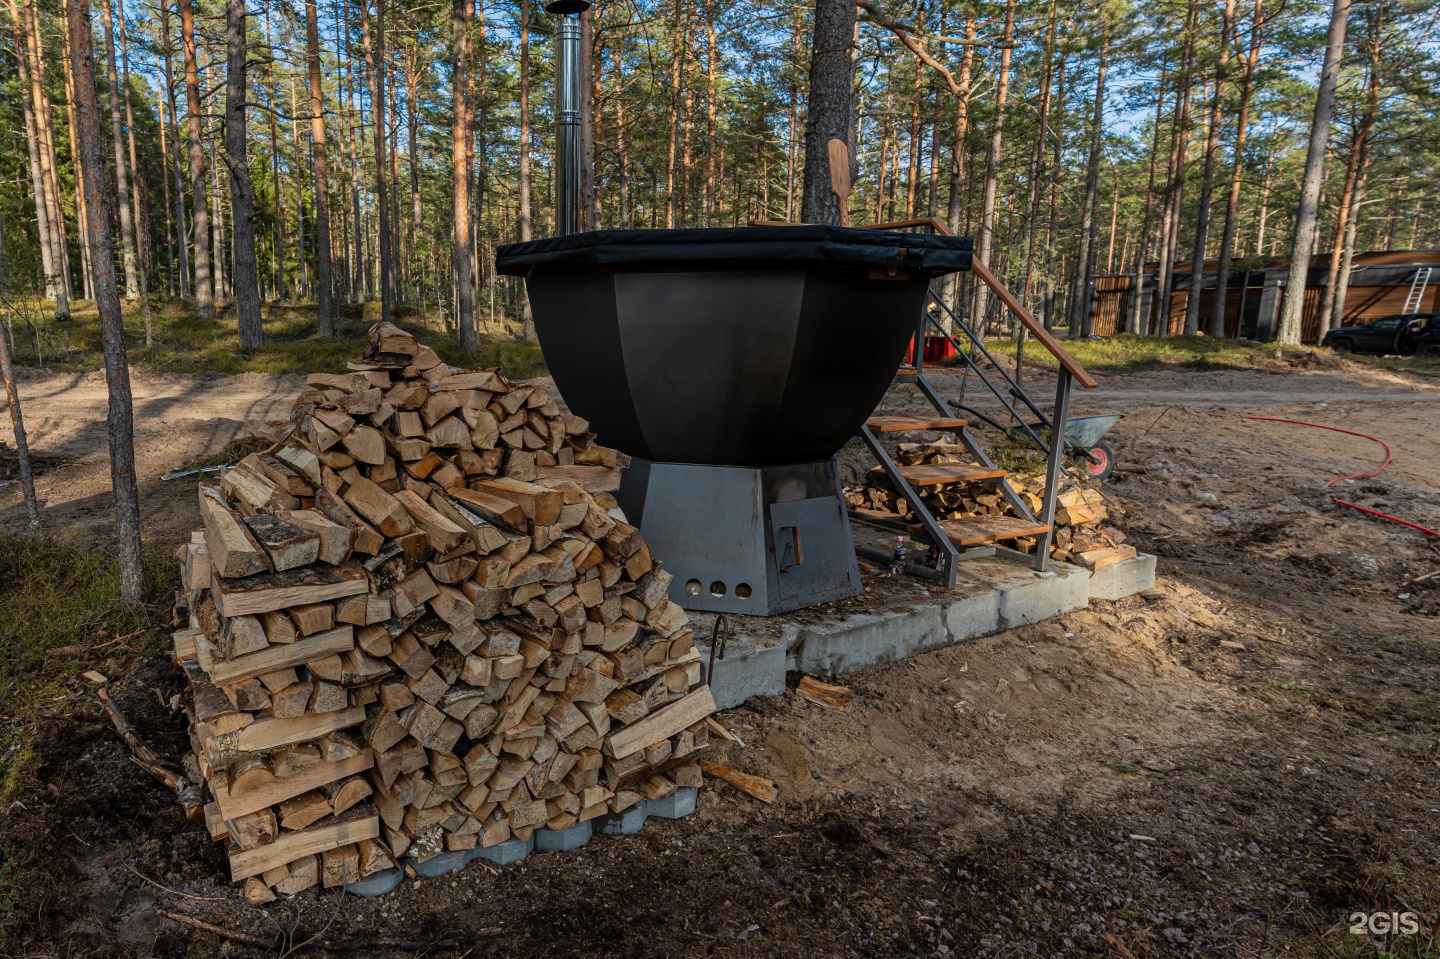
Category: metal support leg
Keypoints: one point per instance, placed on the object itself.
(1053, 467)
(948, 550)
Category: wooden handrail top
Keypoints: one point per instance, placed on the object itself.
(1011, 301)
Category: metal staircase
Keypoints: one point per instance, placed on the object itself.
(957, 540)
(1417, 290)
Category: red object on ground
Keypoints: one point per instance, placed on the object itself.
(1389, 456)
(938, 349)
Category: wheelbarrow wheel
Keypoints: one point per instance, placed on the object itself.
(1100, 462)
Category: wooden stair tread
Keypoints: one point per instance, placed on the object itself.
(979, 530)
(938, 474)
(901, 424)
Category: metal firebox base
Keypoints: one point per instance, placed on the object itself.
(742, 540)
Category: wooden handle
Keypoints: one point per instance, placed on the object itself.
(840, 177)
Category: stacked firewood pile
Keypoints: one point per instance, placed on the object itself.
(415, 627)
(1081, 535)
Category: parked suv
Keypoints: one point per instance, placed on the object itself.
(1403, 333)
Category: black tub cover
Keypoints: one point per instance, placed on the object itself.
(931, 254)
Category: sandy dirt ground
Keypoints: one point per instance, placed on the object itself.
(1231, 764)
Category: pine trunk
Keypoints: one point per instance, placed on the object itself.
(245, 275)
(324, 274)
(204, 287)
(829, 107)
(1303, 240)
(461, 236)
(122, 177)
(1207, 181)
(1085, 259)
(120, 423)
(1237, 170)
(373, 42)
(980, 309)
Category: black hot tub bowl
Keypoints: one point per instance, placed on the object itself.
(751, 346)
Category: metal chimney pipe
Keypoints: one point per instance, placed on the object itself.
(567, 113)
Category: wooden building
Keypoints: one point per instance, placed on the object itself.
(1382, 283)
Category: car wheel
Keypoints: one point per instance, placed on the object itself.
(1343, 346)
(1428, 349)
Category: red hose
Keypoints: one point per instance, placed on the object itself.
(1389, 457)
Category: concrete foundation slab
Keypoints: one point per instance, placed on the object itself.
(504, 853)
(622, 823)
(991, 594)
(563, 840)
(1123, 579)
(677, 805)
(378, 884)
(441, 864)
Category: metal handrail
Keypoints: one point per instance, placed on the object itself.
(1027, 320)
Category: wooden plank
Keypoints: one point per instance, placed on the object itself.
(257, 797)
(274, 733)
(338, 640)
(264, 592)
(593, 479)
(901, 424)
(297, 845)
(939, 474)
(661, 724)
(980, 530)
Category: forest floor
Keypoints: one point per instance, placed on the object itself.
(1231, 764)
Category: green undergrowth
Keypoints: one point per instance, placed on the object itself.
(61, 614)
(185, 343)
(1127, 353)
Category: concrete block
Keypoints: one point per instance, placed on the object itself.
(976, 613)
(441, 864)
(747, 670)
(864, 639)
(504, 853)
(563, 840)
(677, 805)
(1060, 589)
(622, 823)
(378, 884)
(1123, 579)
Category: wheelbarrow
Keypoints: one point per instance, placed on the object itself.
(1083, 436)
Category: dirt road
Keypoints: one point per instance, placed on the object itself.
(182, 420)
(1229, 765)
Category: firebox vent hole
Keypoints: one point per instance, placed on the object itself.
(742, 590)
(692, 588)
(717, 588)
